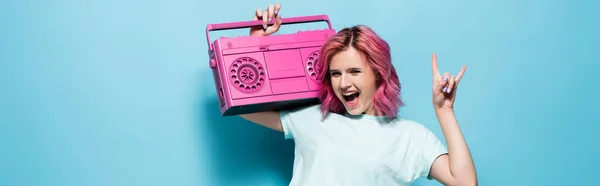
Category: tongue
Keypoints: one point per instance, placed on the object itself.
(352, 101)
(350, 98)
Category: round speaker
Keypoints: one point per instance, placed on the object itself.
(247, 75)
(312, 67)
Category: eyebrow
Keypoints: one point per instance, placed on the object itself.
(355, 68)
(351, 68)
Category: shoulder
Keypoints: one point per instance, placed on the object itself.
(298, 120)
(422, 138)
(302, 110)
(303, 114)
(408, 124)
(412, 127)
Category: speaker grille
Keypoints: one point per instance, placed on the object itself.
(247, 75)
(312, 68)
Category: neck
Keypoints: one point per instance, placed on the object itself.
(371, 111)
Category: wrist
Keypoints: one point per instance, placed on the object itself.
(443, 110)
(445, 115)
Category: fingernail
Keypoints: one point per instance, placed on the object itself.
(276, 11)
(265, 27)
(270, 20)
(445, 78)
(444, 90)
(449, 90)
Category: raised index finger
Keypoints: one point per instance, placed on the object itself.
(434, 66)
(460, 74)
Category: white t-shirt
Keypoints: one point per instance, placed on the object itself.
(364, 150)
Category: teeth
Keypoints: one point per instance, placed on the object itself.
(350, 93)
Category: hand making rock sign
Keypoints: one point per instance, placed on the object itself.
(444, 86)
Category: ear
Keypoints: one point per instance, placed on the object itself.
(377, 80)
(378, 76)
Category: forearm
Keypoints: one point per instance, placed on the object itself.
(460, 163)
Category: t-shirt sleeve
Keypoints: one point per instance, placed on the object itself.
(297, 121)
(431, 149)
(286, 123)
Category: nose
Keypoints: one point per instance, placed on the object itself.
(345, 83)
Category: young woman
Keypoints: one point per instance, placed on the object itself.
(354, 137)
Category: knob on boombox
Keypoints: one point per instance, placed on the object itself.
(213, 64)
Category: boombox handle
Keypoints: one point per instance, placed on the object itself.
(243, 24)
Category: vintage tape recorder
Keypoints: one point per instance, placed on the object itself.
(254, 74)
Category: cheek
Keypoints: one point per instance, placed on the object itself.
(334, 83)
(369, 85)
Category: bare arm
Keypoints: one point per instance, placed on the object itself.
(456, 168)
(268, 119)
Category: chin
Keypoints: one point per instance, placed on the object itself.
(353, 103)
(354, 112)
(358, 110)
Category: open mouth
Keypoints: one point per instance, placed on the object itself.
(351, 98)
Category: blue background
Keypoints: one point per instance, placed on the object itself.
(119, 92)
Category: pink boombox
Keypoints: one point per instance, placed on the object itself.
(255, 74)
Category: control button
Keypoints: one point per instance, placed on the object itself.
(213, 64)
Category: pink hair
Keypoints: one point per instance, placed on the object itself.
(377, 52)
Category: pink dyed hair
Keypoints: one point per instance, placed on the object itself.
(377, 52)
